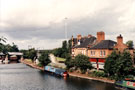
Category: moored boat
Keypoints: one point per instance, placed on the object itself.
(127, 83)
(56, 71)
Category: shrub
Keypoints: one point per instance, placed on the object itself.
(40, 65)
(82, 62)
(98, 74)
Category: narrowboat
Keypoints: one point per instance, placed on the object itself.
(127, 83)
(56, 71)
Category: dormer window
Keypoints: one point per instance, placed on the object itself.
(79, 42)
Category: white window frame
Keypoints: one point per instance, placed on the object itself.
(104, 53)
(101, 53)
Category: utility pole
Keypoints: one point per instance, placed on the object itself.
(65, 28)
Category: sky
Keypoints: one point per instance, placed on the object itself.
(41, 23)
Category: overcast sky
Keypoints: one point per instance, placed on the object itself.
(41, 23)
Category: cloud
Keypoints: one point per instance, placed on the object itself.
(28, 21)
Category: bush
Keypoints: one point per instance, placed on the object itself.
(82, 62)
(40, 65)
(98, 74)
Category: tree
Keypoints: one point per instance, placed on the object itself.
(3, 39)
(32, 53)
(69, 46)
(15, 48)
(130, 44)
(64, 49)
(110, 63)
(44, 59)
(119, 65)
(57, 52)
(124, 65)
(82, 62)
(25, 53)
(69, 61)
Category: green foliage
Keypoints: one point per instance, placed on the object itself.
(25, 53)
(64, 50)
(110, 64)
(14, 48)
(57, 52)
(98, 74)
(32, 53)
(124, 65)
(134, 58)
(8, 48)
(64, 46)
(130, 44)
(69, 62)
(44, 58)
(82, 62)
(69, 46)
(118, 66)
(3, 40)
(40, 65)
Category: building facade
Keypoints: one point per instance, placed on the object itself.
(99, 49)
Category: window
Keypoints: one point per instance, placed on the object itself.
(100, 53)
(92, 53)
(103, 53)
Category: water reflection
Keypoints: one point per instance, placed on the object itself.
(22, 77)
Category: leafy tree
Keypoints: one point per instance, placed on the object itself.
(110, 64)
(44, 59)
(25, 53)
(82, 62)
(57, 52)
(15, 48)
(118, 66)
(69, 46)
(134, 58)
(130, 44)
(32, 53)
(64, 50)
(3, 39)
(69, 62)
(64, 46)
(124, 65)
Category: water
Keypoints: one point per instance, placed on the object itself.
(22, 77)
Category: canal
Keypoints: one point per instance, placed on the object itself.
(23, 77)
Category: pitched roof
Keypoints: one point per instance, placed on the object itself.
(84, 42)
(104, 44)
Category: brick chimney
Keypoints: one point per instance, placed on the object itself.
(100, 36)
(120, 45)
(119, 40)
(89, 35)
(78, 39)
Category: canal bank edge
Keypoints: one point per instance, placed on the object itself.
(72, 74)
(32, 65)
(105, 80)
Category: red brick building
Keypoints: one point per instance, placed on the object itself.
(98, 49)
